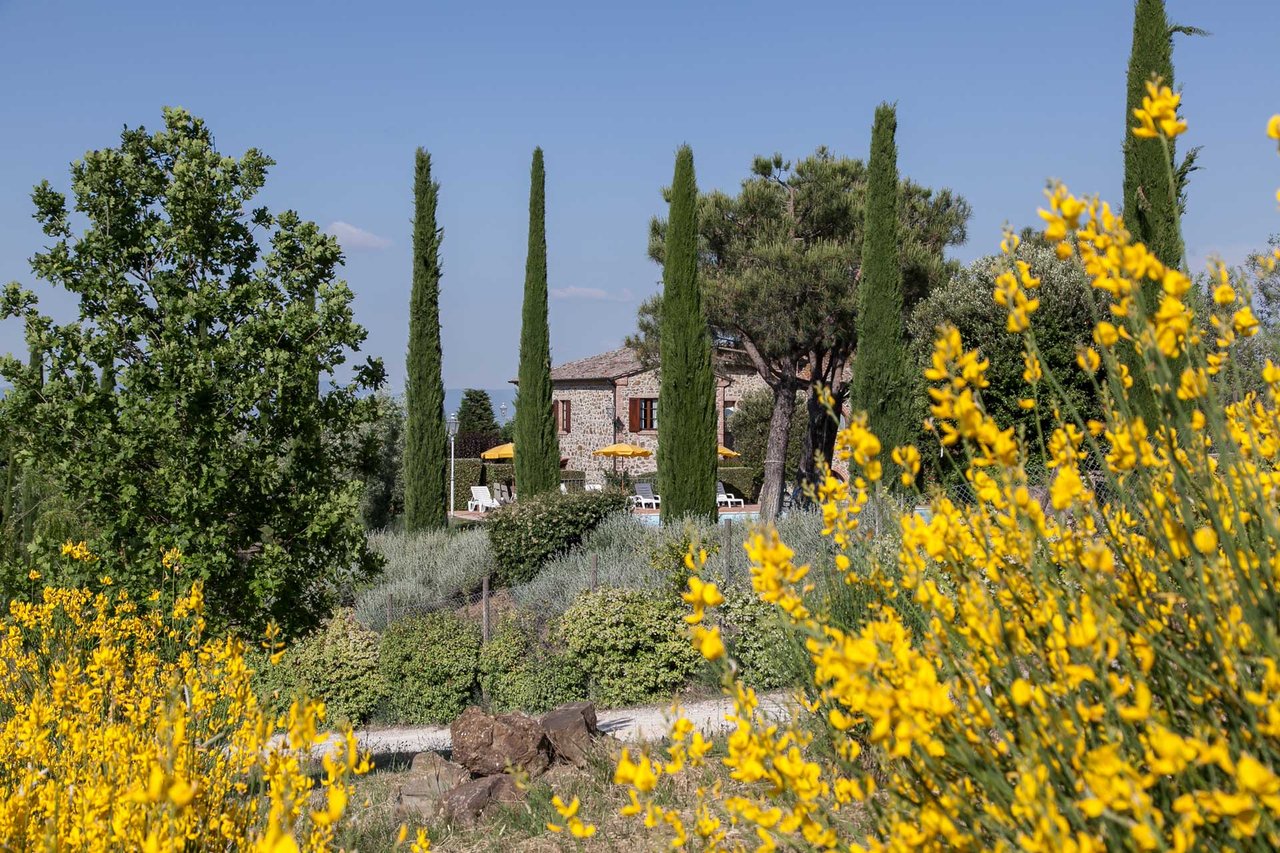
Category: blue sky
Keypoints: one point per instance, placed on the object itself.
(994, 97)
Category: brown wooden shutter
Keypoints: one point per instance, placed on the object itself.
(634, 411)
(566, 415)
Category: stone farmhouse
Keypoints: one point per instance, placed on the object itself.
(610, 398)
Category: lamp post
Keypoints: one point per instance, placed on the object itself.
(452, 426)
(503, 409)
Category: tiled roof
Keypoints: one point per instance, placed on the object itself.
(613, 364)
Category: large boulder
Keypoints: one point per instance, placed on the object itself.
(468, 801)
(570, 729)
(431, 776)
(486, 745)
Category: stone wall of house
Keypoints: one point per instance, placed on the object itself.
(600, 415)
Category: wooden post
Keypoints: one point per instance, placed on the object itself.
(595, 571)
(484, 609)
(388, 611)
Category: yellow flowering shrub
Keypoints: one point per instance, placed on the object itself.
(124, 727)
(1100, 670)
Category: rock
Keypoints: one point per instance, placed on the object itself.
(465, 803)
(487, 745)
(570, 730)
(431, 777)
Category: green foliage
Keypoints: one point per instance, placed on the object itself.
(882, 382)
(337, 664)
(778, 268)
(422, 573)
(757, 638)
(1063, 324)
(475, 413)
(687, 398)
(182, 407)
(526, 534)
(429, 664)
(518, 673)
(538, 450)
(631, 644)
(466, 473)
(380, 464)
(426, 453)
(739, 481)
(750, 427)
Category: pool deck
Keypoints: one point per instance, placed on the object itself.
(737, 513)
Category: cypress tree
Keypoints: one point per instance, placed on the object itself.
(426, 451)
(881, 385)
(537, 448)
(687, 396)
(1150, 189)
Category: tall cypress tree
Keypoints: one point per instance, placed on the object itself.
(426, 450)
(687, 396)
(881, 386)
(1150, 188)
(537, 449)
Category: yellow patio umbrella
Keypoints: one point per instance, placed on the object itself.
(502, 451)
(623, 451)
(726, 453)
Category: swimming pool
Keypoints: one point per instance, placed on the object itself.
(739, 516)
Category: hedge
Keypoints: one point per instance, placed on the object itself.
(429, 666)
(526, 534)
(739, 481)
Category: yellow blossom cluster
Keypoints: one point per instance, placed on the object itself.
(126, 728)
(1097, 669)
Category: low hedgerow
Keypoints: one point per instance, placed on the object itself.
(526, 534)
(768, 654)
(337, 665)
(519, 673)
(428, 663)
(631, 644)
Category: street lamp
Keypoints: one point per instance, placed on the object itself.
(503, 409)
(452, 426)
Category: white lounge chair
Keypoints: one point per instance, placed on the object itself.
(723, 498)
(593, 487)
(481, 500)
(645, 498)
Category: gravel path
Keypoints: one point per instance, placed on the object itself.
(647, 722)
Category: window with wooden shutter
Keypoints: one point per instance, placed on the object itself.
(563, 413)
(633, 410)
(644, 414)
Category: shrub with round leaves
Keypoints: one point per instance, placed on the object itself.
(428, 665)
(630, 643)
(337, 665)
(526, 534)
(519, 673)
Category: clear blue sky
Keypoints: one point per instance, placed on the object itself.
(993, 97)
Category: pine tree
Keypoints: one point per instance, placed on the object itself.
(537, 449)
(881, 386)
(426, 452)
(687, 396)
(1150, 190)
(475, 412)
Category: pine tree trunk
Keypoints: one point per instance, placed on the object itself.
(819, 437)
(775, 454)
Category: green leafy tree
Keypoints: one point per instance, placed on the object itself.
(537, 448)
(778, 267)
(426, 454)
(882, 383)
(750, 427)
(477, 427)
(687, 396)
(380, 464)
(211, 317)
(1063, 325)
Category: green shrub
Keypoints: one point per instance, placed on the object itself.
(429, 665)
(466, 473)
(526, 534)
(423, 572)
(740, 481)
(518, 673)
(631, 644)
(758, 640)
(337, 664)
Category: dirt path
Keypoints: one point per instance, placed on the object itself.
(648, 722)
